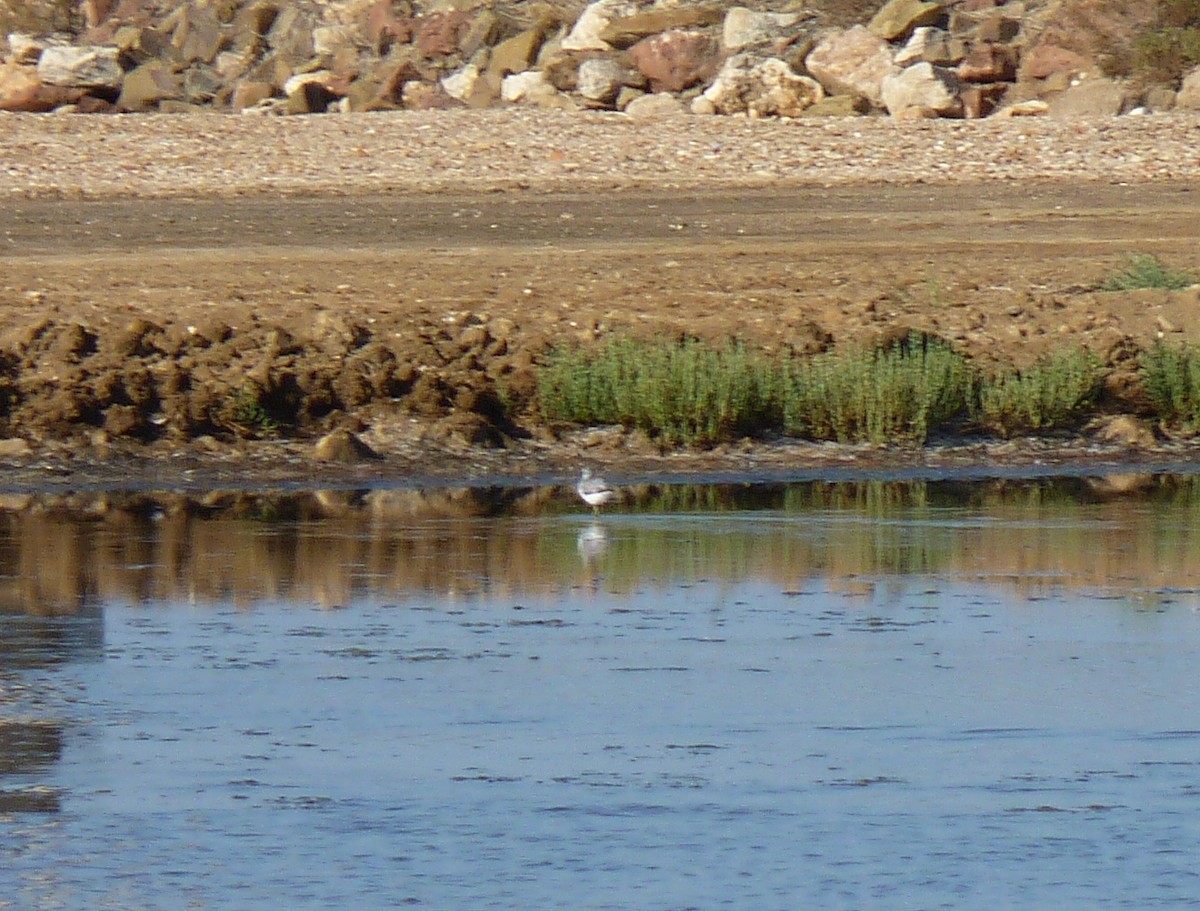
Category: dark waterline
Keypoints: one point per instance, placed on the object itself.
(824, 695)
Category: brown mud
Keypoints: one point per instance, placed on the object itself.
(214, 340)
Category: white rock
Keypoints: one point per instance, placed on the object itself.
(297, 82)
(87, 67)
(461, 83)
(585, 35)
(744, 27)
(926, 43)
(1034, 108)
(527, 86)
(327, 39)
(923, 85)
(760, 88)
(24, 48)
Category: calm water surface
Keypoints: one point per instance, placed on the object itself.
(822, 696)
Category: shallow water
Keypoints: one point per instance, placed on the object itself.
(835, 696)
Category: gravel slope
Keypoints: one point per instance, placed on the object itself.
(174, 155)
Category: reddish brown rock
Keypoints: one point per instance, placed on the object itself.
(385, 28)
(425, 96)
(987, 62)
(247, 94)
(95, 11)
(1081, 36)
(441, 34)
(22, 91)
(980, 101)
(676, 60)
(1048, 60)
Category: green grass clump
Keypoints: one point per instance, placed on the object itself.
(245, 409)
(1144, 271)
(1171, 378)
(677, 391)
(1052, 393)
(896, 394)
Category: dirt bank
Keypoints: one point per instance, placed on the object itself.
(168, 334)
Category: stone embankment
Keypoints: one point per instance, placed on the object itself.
(910, 59)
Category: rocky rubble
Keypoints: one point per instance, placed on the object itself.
(911, 59)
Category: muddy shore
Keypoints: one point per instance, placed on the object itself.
(142, 333)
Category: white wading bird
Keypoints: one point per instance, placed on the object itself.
(594, 491)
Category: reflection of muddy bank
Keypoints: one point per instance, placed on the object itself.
(28, 746)
(70, 551)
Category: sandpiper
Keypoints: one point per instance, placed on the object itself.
(594, 491)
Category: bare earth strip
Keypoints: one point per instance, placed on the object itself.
(990, 234)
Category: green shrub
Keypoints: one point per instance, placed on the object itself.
(678, 391)
(245, 410)
(1171, 378)
(897, 394)
(1144, 271)
(1051, 393)
(1164, 52)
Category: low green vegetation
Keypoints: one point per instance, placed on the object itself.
(678, 391)
(1166, 52)
(894, 394)
(689, 392)
(1054, 392)
(1171, 378)
(245, 409)
(1145, 271)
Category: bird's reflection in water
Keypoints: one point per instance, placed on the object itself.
(592, 543)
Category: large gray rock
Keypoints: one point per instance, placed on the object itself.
(1188, 96)
(853, 62)
(758, 87)
(656, 107)
(87, 67)
(1096, 97)
(745, 27)
(600, 78)
(922, 87)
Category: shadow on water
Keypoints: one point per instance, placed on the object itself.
(63, 553)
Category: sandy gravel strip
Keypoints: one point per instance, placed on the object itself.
(147, 155)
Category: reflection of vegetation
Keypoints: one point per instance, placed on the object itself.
(1143, 271)
(1051, 393)
(496, 546)
(1171, 376)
